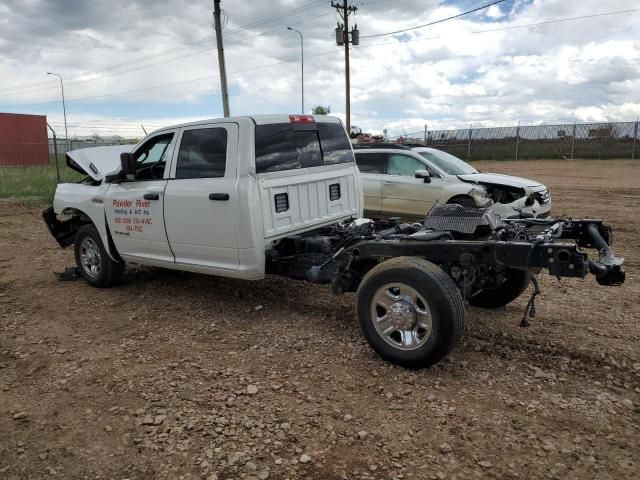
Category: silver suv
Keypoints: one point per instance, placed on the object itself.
(407, 182)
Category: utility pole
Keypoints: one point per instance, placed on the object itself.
(223, 70)
(342, 38)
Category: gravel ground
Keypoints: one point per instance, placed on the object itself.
(175, 375)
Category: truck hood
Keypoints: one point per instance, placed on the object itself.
(499, 179)
(97, 162)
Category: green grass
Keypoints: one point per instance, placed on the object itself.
(34, 184)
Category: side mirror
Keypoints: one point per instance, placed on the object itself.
(423, 174)
(128, 164)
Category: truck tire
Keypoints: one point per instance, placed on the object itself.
(410, 311)
(93, 261)
(515, 283)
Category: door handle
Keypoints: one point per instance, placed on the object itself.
(218, 196)
(388, 183)
(151, 196)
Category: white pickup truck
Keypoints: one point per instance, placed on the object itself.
(280, 194)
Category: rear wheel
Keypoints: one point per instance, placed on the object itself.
(516, 281)
(410, 311)
(93, 261)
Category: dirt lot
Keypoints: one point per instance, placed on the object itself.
(187, 376)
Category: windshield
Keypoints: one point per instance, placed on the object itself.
(448, 163)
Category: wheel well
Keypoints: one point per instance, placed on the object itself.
(456, 198)
(79, 218)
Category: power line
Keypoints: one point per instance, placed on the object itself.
(208, 77)
(437, 21)
(546, 22)
(179, 48)
(499, 29)
(208, 49)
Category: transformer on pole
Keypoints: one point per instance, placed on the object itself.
(342, 39)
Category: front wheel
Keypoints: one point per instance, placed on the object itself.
(93, 261)
(515, 282)
(410, 311)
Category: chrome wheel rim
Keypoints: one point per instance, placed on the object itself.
(90, 257)
(401, 316)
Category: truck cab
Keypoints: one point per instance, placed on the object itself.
(212, 196)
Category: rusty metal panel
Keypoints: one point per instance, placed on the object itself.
(23, 139)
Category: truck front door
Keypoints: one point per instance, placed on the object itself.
(201, 199)
(134, 208)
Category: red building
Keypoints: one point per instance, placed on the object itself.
(23, 139)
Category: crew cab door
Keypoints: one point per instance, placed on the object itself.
(134, 208)
(402, 193)
(201, 198)
(371, 166)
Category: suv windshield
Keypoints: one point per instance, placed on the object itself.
(448, 163)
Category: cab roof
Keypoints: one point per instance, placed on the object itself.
(256, 119)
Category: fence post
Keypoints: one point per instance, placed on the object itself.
(635, 140)
(517, 138)
(55, 151)
(469, 145)
(425, 133)
(573, 140)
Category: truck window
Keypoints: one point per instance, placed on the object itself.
(370, 162)
(336, 147)
(203, 153)
(152, 156)
(153, 150)
(281, 147)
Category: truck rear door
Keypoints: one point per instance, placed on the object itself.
(306, 174)
(201, 200)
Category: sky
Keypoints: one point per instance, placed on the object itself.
(127, 63)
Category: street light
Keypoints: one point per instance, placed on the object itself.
(301, 63)
(64, 108)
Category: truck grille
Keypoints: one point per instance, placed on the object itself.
(456, 218)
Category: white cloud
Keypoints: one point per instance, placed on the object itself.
(494, 12)
(444, 76)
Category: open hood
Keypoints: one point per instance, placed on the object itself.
(97, 162)
(499, 179)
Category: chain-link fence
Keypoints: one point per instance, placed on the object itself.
(587, 140)
(64, 147)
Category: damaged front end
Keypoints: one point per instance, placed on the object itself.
(510, 201)
(63, 231)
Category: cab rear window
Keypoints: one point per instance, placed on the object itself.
(281, 146)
